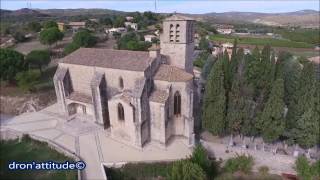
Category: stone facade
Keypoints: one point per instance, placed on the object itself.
(138, 97)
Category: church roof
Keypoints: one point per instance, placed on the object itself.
(109, 58)
(178, 17)
(172, 74)
(159, 96)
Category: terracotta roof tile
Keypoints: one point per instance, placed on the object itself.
(109, 58)
(159, 96)
(172, 74)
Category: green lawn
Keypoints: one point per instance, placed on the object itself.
(29, 150)
(261, 41)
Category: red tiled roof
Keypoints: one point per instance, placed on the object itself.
(109, 58)
(172, 74)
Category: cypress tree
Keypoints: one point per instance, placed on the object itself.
(303, 97)
(266, 77)
(271, 123)
(253, 72)
(233, 62)
(306, 130)
(214, 105)
(226, 70)
(291, 75)
(238, 110)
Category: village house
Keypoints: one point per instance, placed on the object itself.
(116, 30)
(75, 26)
(149, 37)
(61, 26)
(129, 18)
(131, 25)
(225, 30)
(138, 97)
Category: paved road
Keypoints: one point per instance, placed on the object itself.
(90, 141)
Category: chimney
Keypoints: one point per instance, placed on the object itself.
(154, 51)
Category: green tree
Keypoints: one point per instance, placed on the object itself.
(200, 157)
(207, 67)
(241, 163)
(27, 80)
(70, 48)
(106, 21)
(306, 132)
(214, 105)
(50, 36)
(34, 26)
(186, 170)
(238, 109)
(253, 72)
(291, 71)
(226, 70)
(119, 21)
(235, 58)
(204, 44)
(50, 24)
(19, 36)
(38, 58)
(271, 122)
(84, 38)
(11, 62)
(303, 99)
(306, 170)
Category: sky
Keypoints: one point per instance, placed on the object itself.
(169, 6)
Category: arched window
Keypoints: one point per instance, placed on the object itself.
(177, 27)
(121, 82)
(177, 103)
(120, 112)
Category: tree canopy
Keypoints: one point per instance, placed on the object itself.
(84, 38)
(12, 62)
(50, 36)
(38, 58)
(50, 24)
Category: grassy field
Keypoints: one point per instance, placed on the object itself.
(30, 150)
(261, 41)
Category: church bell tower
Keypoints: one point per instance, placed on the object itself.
(177, 41)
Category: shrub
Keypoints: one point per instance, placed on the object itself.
(70, 48)
(264, 170)
(186, 170)
(201, 158)
(306, 170)
(241, 163)
(28, 79)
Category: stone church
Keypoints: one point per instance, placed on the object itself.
(137, 97)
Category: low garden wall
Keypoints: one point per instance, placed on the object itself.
(9, 134)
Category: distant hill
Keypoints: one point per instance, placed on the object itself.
(77, 12)
(304, 18)
(25, 14)
(22, 12)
